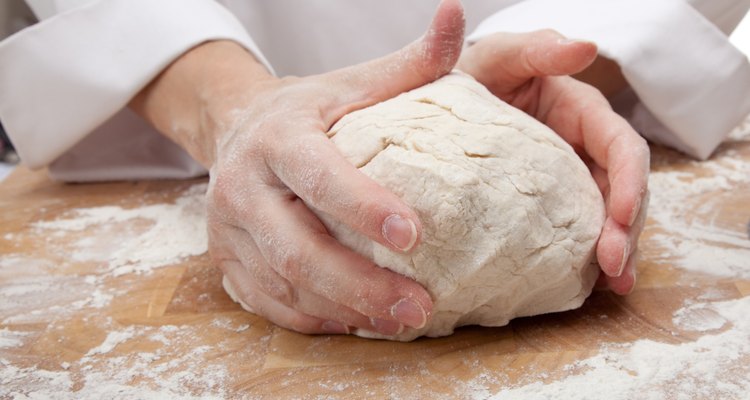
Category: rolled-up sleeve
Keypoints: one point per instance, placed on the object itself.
(67, 75)
(692, 82)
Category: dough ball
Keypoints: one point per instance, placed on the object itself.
(510, 214)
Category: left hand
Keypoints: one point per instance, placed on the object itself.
(530, 71)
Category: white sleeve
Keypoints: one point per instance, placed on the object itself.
(65, 76)
(681, 66)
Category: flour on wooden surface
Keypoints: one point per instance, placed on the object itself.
(9, 338)
(148, 374)
(38, 293)
(708, 367)
(112, 340)
(686, 209)
(175, 231)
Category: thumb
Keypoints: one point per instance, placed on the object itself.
(421, 62)
(506, 61)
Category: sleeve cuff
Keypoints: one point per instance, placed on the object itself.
(681, 66)
(67, 75)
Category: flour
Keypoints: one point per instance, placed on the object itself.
(119, 241)
(23, 289)
(187, 375)
(39, 383)
(9, 338)
(686, 209)
(112, 340)
(699, 317)
(648, 369)
(175, 231)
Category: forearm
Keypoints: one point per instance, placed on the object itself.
(191, 99)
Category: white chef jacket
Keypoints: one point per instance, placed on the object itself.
(65, 82)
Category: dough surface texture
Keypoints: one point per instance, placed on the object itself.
(510, 213)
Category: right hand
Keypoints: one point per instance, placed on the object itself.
(264, 141)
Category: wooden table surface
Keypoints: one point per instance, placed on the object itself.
(72, 326)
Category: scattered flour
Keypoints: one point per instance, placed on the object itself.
(23, 289)
(146, 237)
(40, 383)
(112, 340)
(143, 375)
(176, 231)
(686, 207)
(9, 338)
(710, 367)
(699, 317)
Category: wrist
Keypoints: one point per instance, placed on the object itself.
(192, 100)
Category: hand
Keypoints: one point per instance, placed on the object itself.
(529, 71)
(264, 140)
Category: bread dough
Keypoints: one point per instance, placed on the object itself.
(510, 214)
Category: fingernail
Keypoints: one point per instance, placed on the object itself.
(335, 328)
(400, 232)
(633, 274)
(409, 313)
(625, 257)
(634, 212)
(386, 327)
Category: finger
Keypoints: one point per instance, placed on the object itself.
(320, 175)
(613, 248)
(625, 283)
(583, 117)
(303, 253)
(601, 178)
(617, 243)
(433, 55)
(506, 61)
(304, 301)
(254, 299)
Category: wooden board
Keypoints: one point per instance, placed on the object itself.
(73, 328)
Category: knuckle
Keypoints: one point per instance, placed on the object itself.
(547, 34)
(228, 201)
(290, 263)
(642, 145)
(316, 176)
(374, 297)
(282, 292)
(217, 255)
(220, 262)
(221, 193)
(368, 213)
(300, 264)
